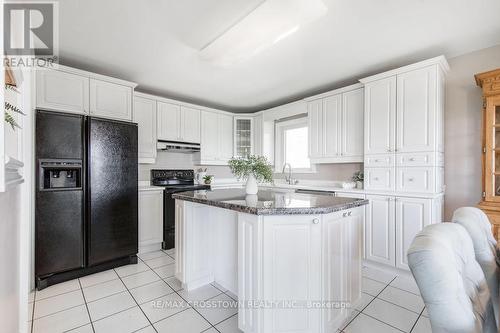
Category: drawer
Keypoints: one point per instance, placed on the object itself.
(374, 161)
(415, 159)
(416, 180)
(381, 179)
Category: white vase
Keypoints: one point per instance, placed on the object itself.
(252, 186)
(252, 200)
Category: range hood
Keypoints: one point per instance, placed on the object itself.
(178, 147)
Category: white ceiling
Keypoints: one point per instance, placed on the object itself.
(155, 43)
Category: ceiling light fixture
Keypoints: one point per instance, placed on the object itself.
(268, 24)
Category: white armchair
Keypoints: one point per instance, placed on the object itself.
(478, 226)
(451, 282)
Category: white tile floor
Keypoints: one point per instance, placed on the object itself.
(132, 299)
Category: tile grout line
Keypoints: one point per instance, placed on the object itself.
(86, 306)
(415, 324)
(192, 307)
(135, 301)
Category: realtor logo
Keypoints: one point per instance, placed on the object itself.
(30, 31)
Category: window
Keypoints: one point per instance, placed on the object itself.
(292, 145)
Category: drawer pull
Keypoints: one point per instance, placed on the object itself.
(315, 221)
(412, 159)
(376, 178)
(349, 214)
(376, 160)
(410, 179)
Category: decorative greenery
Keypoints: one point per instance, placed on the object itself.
(9, 119)
(359, 176)
(258, 166)
(208, 179)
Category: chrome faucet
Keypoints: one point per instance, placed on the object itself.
(289, 179)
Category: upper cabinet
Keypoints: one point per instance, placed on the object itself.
(258, 134)
(145, 116)
(110, 100)
(71, 90)
(336, 126)
(243, 136)
(416, 110)
(62, 91)
(380, 116)
(216, 138)
(178, 123)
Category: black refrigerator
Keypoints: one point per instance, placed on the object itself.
(86, 196)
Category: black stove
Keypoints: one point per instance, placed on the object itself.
(174, 181)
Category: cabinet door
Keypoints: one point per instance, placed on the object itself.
(380, 116)
(145, 117)
(342, 239)
(416, 110)
(209, 136)
(169, 121)
(258, 135)
(225, 137)
(291, 252)
(61, 91)
(331, 124)
(352, 123)
(150, 218)
(412, 215)
(243, 136)
(380, 229)
(110, 100)
(315, 115)
(190, 120)
(380, 179)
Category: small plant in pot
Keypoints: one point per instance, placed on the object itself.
(255, 169)
(208, 179)
(359, 177)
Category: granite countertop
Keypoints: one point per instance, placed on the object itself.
(270, 202)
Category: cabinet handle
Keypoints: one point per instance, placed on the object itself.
(376, 178)
(315, 221)
(344, 214)
(412, 159)
(349, 214)
(410, 179)
(376, 160)
(389, 150)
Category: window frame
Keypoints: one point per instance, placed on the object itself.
(280, 128)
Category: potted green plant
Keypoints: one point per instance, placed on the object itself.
(208, 179)
(254, 169)
(359, 177)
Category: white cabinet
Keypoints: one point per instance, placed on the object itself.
(403, 119)
(332, 119)
(412, 215)
(336, 127)
(315, 115)
(169, 121)
(110, 100)
(62, 91)
(380, 116)
(391, 223)
(380, 230)
(216, 138)
(150, 220)
(353, 124)
(380, 179)
(258, 135)
(298, 238)
(243, 136)
(190, 124)
(416, 110)
(178, 123)
(145, 117)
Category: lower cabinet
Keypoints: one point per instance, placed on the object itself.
(150, 220)
(391, 223)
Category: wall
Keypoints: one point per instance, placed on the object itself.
(463, 128)
(10, 259)
(184, 161)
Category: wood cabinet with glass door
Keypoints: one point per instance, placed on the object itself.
(490, 83)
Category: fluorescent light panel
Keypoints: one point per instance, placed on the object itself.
(269, 23)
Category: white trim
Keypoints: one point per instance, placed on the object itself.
(440, 61)
(342, 90)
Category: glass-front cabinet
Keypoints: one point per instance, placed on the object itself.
(243, 136)
(490, 83)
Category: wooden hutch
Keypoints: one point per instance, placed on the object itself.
(490, 83)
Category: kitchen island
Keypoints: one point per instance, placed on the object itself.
(293, 260)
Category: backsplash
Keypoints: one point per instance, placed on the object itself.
(172, 160)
